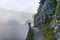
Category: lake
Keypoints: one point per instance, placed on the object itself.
(13, 32)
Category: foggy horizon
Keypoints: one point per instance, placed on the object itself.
(11, 9)
(22, 17)
(20, 5)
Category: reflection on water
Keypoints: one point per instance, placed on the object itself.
(13, 31)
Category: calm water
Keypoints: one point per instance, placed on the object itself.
(13, 32)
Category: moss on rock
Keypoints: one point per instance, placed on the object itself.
(47, 31)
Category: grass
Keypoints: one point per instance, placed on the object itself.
(47, 31)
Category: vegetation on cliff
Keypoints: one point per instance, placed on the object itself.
(46, 29)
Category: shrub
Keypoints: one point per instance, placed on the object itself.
(47, 31)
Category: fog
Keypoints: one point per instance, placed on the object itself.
(20, 5)
(22, 17)
(13, 25)
(14, 18)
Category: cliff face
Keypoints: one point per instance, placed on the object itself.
(45, 7)
(56, 23)
(48, 18)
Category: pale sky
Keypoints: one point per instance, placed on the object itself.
(9, 8)
(20, 5)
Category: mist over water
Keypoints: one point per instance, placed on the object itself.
(22, 17)
(14, 18)
(13, 31)
(13, 25)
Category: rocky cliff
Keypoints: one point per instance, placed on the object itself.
(45, 8)
(48, 19)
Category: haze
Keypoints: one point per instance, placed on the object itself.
(21, 10)
(20, 5)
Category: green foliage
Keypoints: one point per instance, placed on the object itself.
(58, 6)
(48, 19)
(58, 11)
(30, 36)
(42, 1)
(47, 31)
(45, 28)
(53, 12)
(53, 1)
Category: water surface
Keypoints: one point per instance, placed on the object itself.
(13, 32)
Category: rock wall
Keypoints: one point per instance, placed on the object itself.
(49, 13)
(45, 7)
